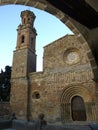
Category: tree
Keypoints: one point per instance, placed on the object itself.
(5, 84)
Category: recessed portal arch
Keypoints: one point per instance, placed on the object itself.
(70, 96)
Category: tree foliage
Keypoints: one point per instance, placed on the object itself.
(5, 84)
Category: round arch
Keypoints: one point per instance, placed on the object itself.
(79, 30)
(78, 109)
(66, 101)
(71, 91)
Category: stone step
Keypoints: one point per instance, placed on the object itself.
(67, 127)
(9, 129)
(78, 127)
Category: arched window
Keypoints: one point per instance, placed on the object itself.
(28, 19)
(22, 39)
(32, 41)
(24, 21)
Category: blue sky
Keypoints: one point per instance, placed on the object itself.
(48, 27)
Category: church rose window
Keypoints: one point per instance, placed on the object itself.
(71, 56)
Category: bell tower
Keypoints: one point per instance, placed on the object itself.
(24, 62)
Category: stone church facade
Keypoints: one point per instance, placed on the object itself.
(64, 91)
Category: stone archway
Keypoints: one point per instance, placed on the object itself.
(81, 31)
(82, 34)
(78, 109)
(68, 96)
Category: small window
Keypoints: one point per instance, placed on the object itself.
(32, 40)
(22, 39)
(28, 19)
(36, 95)
(24, 21)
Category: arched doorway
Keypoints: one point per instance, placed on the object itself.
(78, 109)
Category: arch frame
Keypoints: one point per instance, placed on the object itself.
(65, 102)
(79, 30)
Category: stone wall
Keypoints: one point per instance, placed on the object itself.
(67, 73)
(5, 110)
(19, 97)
